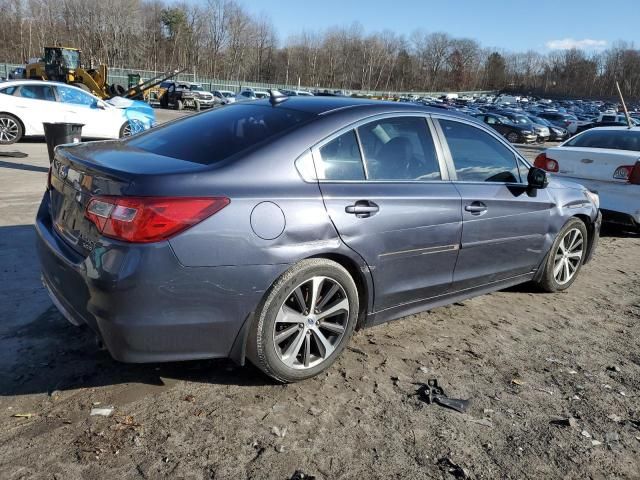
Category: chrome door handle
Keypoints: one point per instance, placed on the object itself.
(362, 209)
(476, 208)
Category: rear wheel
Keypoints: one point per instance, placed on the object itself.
(305, 321)
(11, 129)
(565, 257)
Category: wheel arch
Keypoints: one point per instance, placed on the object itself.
(356, 272)
(363, 282)
(590, 224)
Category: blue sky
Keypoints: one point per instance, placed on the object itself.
(514, 25)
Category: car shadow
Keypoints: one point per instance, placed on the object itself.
(41, 352)
(23, 166)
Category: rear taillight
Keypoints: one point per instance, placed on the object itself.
(149, 219)
(546, 163)
(629, 173)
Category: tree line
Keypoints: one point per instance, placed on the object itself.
(221, 39)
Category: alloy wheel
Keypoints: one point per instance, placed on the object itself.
(311, 322)
(131, 128)
(8, 130)
(568, 256)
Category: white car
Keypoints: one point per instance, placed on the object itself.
(606, 160)
(26, 104)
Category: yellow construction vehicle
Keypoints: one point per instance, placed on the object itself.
(63, 64)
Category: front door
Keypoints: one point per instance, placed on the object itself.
(81, 107)
(392, 203)
(504, 222)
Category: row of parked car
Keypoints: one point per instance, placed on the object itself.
(523, 120)
(180, 95)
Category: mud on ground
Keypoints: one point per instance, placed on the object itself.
(527, 360)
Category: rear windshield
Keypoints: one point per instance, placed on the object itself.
(614, 139)
(219, 134)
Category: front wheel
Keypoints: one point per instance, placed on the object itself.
(305, 321)
(513, 137)
(179, 105)
(565, 257)
(11, 129)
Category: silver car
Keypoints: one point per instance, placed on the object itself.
(271, 230)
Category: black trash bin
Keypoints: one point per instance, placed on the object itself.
(60, 133)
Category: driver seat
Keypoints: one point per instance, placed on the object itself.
(393, 158)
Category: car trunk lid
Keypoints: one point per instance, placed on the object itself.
(591, 163)
(81, 172)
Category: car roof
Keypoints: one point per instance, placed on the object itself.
(621, 127)
(325, 105)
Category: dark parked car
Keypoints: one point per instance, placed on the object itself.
(556, 134)
(180, 95)
(513, 132)
(272, 229)
(17, 73)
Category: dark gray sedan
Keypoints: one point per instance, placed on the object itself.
(272, 229)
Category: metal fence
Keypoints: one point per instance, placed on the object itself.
(119, 76)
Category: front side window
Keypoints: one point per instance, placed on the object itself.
(478, 156)
(37, 92)
(75, 96)
(399, 149)
(340, 159)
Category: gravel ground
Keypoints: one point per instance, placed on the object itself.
(553, 378)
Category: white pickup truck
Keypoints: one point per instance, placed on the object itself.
(606, 160)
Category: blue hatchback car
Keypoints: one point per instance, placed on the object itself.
(270, 230)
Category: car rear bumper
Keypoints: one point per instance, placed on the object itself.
(619, 202)
(143, 304)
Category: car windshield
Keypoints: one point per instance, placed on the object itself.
(613, 139)
(196, 88)
(68, 58)
(217, 135)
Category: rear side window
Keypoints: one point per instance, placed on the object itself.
(399, 149)
(340, 159)
(613, 139)
(8, 90)
(217, 135)
(478, 156)
(37, 92)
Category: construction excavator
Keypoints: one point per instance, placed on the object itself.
(64, 64)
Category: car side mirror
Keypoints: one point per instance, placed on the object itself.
(99, 104)
(537, 178)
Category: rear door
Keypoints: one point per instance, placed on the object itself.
(390, 199)
(504, 224)
(36, 104)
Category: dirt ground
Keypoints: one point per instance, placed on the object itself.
(527, 361)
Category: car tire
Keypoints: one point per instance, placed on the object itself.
(300, 352)
(11, 129)
(561, 267)
(129, 128)
(179, 105)
(513, 137)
